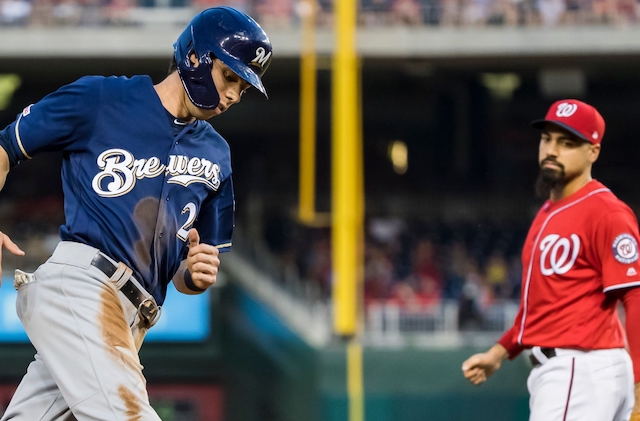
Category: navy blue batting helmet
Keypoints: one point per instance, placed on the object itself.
(229, 35)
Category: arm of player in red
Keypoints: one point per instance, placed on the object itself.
(479, 367)
(199, 270)
(5, 241)
(631, 302)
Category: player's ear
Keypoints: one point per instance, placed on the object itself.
(593, 153)
(194, 60)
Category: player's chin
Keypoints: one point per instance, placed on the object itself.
(207, 114)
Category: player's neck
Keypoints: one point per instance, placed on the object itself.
(170, 91)
(571, 187)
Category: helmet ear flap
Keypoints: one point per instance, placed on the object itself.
(199, 85)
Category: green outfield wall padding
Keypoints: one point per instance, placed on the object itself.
(274, 375)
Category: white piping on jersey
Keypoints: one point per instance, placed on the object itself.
(622, 286)
(24, 152)
(219, 246)
(533, 252)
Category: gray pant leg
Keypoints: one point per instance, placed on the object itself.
(37, 397)
(77, 324)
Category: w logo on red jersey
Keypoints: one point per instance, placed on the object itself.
(559, 254)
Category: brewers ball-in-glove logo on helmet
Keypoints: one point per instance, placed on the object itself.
(229, 35)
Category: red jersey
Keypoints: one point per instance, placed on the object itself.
(577, 249)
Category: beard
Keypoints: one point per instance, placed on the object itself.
(549, 179)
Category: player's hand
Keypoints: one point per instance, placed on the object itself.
(202, 261)
(6, 242)
(480, 366)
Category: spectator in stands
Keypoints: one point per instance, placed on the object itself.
(91, 13)
(450, 11)
(603, 11)
(375, 12)
(14, 12)
(324, 13)
(427, 271)
(317, 265)
(42, 13)
(476, 296)
(497, 274)
(67, 13)
(405, 296)
(431, 11)
(116, 12)
(626, 12)
(406, 12)
(275, 13)
(455, 269)
(243, 5)
(551, 11)
(515, 276)
(378, 272)
(503, 12)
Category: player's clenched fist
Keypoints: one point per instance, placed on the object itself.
(480, 366)
(6, 242)
(202, 261)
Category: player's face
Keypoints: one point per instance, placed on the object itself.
(230, 87)
(565, 155)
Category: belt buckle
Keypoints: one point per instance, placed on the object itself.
(149, 311)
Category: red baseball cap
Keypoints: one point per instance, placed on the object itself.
(577, 117)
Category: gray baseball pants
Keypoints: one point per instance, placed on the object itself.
(87, 335)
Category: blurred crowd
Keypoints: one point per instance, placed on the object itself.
(372, 13)
(415, 265)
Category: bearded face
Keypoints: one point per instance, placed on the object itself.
(551, 176)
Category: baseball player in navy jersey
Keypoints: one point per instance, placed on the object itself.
(148, 199)
(580, 258)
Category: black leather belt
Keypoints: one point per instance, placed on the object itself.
(548, 352)
(147, 308)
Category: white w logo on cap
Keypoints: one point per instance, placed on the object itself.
(566, 110)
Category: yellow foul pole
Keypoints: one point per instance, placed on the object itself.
(346, 212)
(307, 186)
(347, 198)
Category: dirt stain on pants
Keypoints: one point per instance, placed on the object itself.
(119, 344)
(131, 403)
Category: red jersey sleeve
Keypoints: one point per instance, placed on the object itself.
(631, 301)
(616, 243)
(510, 338)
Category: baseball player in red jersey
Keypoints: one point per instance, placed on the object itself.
(579, 259)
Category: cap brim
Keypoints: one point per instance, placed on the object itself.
(539, 124)
(246, 73)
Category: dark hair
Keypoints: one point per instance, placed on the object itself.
(173, 66)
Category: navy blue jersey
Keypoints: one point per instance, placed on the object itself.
(133, 184)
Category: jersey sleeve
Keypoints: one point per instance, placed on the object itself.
(215, 220)
(60, 121)
(509, 339)
(616, 242)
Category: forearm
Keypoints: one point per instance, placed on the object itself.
(498, 352)
(509, 343)
(631, 302)
(4, 166)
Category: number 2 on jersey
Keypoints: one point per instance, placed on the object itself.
(183, 232)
